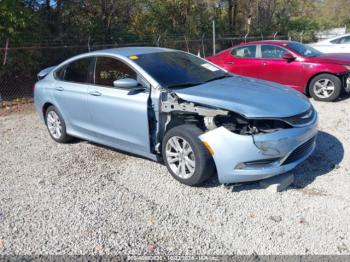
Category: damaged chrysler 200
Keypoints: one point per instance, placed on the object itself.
(172, 106)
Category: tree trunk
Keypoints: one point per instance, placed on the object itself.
(232, 14)
(48, 11)
(188, 17)
(59, 18)
(235, 14)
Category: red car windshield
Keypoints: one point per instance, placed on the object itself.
(304, 50)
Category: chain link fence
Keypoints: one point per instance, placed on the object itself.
(20, 64)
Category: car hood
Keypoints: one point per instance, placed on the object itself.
(248, 96)
(339, 58)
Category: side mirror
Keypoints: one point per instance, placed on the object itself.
(288, 57)
(126, 83)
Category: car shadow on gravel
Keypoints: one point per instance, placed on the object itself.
(121, 152)
(328, 155)
(342, 97)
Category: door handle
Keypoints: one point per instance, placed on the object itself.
(264, 63)
(59, 88)
(230, 63)
(95, 93)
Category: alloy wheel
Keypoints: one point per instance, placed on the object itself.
(54, 124)
(324, 88)
(180, 157)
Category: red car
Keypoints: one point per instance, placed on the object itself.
(323, 76)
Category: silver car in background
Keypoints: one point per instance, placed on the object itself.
(338, 44)
(171, 106)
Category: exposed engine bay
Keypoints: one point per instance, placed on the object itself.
(180, 111)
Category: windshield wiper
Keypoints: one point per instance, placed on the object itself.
(181, 85)
(217, 78)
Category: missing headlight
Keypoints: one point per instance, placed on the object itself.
(240, 125)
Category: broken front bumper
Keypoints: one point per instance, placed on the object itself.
(241, 158)
(347, 84)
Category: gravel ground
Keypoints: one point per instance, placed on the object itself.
(85, 199)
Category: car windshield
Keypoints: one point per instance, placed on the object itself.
(304, 50)
(178, 69)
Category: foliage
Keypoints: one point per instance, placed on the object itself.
(16, 20)
(184, 24)
(126, 20)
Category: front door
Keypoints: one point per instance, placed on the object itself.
(276, 69)
(119, 115)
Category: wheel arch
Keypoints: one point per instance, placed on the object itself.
(206, 164)
(178, 120)
(307, 87)
(45, 107)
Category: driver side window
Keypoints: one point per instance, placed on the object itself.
(341, 40)
(344, 40)
(272, 52)
(110, 69)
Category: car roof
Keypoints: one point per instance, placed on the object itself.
(274, 42)
(130, 51)
(339, 36)
(334, 38)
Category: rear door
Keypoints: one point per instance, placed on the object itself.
(70, 94)
(243, 61)
(119, 115)
(276, 69)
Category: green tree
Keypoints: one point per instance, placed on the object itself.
(17, 20)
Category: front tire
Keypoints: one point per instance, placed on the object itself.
(56, 125)
(185, 156)
(325, 87)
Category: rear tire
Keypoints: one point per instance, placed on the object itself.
(56, 125)
(185, 156)
(325, 87)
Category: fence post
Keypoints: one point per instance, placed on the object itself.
(188, 49)
(214, 46)
(245, 37)
(203, 48)
(301, 36)
(6, 50)
(158, 40)
(89, 43)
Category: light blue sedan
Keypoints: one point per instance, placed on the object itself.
(171, 106)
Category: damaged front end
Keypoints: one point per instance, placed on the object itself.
(245, 149)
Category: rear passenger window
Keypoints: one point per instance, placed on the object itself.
(245, 51)
(110, 69)
(77, 71)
